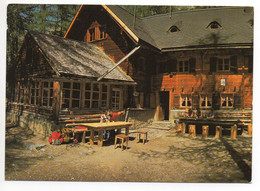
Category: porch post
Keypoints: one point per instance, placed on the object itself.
(157, 102)
(56, 99)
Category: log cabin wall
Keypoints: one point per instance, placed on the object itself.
(205, 79)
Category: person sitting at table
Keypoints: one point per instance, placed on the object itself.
(211, 113)
(198, 113)
(111, 117)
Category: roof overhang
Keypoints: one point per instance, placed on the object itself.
(209, 47)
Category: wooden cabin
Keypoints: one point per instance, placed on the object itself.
(191, 59)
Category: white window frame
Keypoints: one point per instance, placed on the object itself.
(186, 100)
(227, 99)
(206, 100)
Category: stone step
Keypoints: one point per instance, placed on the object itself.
(159, 128)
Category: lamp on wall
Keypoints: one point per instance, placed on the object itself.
(182, 88)
(235, 88)
(172, 88)
(192, 89)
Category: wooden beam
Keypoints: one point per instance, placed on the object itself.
(56, 99)
(118, 63)
(73, 21)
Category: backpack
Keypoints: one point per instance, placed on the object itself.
(55, 138)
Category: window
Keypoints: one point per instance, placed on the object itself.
(115, 99)
(187, 66)
(183, 66)
(92, 35)
(47, 93)
(186, 101)
(174, 29)
(205, 101)
(223, 64)
(104, 96)
(214, 25)
(96, 33)
(91, 95)
(71, 95)
(227, 100)
(95, 96)
(102, 32)
(34, 93)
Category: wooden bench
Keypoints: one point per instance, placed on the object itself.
(75, 120)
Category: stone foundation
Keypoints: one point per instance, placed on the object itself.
(141, 117)
(40, 125)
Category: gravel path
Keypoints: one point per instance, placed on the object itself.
(165, 158)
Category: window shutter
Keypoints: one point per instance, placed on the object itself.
(195, 101)
(213, 64)
(237, 101)
(233, 64)
(173, 66)
(176, 101)
(192, 62)
(250, 64)
(216, 101)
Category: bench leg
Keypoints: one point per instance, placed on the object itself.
(122, 144)
(100, 138)
(84, 137)
(233, 132)
(115, 142)
(91, 140)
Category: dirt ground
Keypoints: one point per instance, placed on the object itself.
(165, 158)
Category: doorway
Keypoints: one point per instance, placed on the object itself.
(164, 103)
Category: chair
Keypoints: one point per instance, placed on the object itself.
(123, 138)
(138, 135)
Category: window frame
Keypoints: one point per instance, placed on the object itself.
(35, 85)
(49, 96)
(71, 98)
(227, 95)
(94, 33)
(119, 99)
(207, 99)
(223, 58)
(186, 100)
(184, 61)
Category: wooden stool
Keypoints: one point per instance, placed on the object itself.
(233, 133)
(249, 129)
(205, 131)
(123, 138)
(218, 131)
(180, 129)
(192, 130)
(138, 135)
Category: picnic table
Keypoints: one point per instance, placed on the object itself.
(100, 127)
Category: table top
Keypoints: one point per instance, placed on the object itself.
(106, 125)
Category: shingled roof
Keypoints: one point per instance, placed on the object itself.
(236, 27)
(77, 58)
